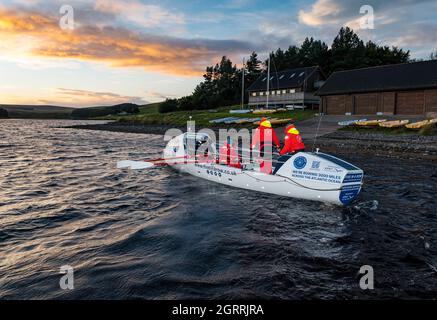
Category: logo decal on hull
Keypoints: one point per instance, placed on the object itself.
(300, 162)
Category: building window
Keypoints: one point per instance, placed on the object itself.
(278, 92)
(292, 90)
(261, 93)
(253, 94)
(284, 91)
(273, 93)
(292, 75)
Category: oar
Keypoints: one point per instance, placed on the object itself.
(138, 165)
(134, 165)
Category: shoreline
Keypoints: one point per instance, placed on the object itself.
(342, 142)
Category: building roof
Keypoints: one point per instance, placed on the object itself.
(405, 76)
(292, 78)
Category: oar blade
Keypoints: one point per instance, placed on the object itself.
(134, 165)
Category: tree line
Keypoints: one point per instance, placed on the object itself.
(3, 113)
(222, 83)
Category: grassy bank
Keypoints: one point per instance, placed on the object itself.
(149, 115)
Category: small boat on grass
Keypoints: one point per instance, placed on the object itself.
(247, 120)
(350, 122)
(394, 123)
(264, 111)
(240, 111)
(420, 124)
(276, 121)
(313, 176)
(369, 122)
(223, 120)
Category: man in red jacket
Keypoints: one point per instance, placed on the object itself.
(228, 154)
(263, 139)
(292, 141)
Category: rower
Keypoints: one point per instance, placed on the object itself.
(228, 154)
(292, 141)
(263, 138)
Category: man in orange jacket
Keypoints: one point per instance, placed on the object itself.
(263, 138)
(292, 141)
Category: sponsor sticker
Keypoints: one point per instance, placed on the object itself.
(300, 162)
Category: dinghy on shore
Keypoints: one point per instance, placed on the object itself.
(420, 124)
(394, 123)
(369, 122)
(276, 121)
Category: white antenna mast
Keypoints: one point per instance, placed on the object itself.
(242, 88)
(268, 81)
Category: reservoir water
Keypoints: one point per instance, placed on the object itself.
(160, 234)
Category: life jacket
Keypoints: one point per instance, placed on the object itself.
(292, 141)
(264, 135)
(228, 155)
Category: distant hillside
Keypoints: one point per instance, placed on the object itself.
(102, 111)
(37, 111)
(57, 112)
(3, 113)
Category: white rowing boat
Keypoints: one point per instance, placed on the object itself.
(305, 175)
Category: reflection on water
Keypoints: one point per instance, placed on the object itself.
(161, 234)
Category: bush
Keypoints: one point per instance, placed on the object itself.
(427, 130)
(3, 113)
(186, 103)
(168, 105)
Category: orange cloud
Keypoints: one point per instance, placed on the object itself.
(117, 47)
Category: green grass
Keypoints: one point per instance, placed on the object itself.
(149, 115)
(429, 130)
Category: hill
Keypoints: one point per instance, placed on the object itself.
(57, 112)
(37, 111)
(102, 111)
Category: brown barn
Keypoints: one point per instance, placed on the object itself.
(409, 88)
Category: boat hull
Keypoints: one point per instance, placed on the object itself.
(311, 176)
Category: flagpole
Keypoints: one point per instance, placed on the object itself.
(242, 88)
(268, 81)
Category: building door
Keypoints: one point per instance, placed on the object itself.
(335, 105)
(431, 101)
(365, 103)
(409, 102)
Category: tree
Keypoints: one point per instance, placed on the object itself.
(221, 83)
(3, 113)
(347, 51)
(313, 53)
(253, 68)
(169, 105)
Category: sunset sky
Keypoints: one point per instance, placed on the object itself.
(145, 51)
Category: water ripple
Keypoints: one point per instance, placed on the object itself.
(163, 234)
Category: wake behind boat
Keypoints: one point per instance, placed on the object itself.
(306, 175)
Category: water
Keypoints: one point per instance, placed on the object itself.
(159, 234)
